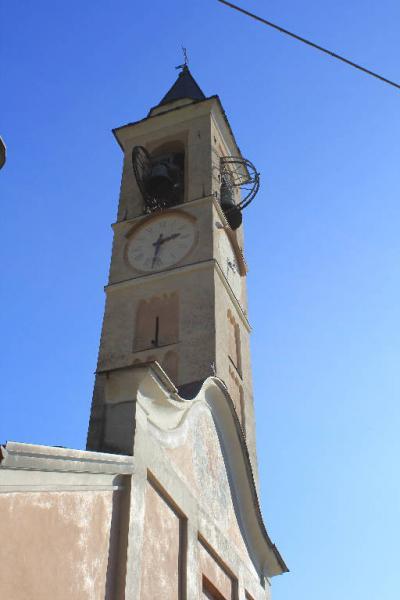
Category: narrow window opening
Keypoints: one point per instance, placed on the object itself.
(156, 333)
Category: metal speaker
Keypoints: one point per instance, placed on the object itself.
(232, 213)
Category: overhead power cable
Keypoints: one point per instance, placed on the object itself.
(309, 43)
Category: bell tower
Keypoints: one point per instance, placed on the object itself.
(176, 292)
(164, 501)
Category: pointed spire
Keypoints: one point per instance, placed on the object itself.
(184, 87)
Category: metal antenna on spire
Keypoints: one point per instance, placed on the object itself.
(185, 56)
(185, 65)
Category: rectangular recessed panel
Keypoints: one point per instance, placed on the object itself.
(162, 554)
(217, 582)
(209, 592)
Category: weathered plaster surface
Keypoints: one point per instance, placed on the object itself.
(160, 570)
(196, 451)
(54, 545)
(214, 573)
(196, 456)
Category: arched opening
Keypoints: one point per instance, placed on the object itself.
(168, 170)
(157, 322)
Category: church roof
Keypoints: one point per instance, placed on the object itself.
(184, 87)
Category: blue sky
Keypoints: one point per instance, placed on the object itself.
(322, 243)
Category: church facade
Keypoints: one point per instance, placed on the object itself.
(163, 503)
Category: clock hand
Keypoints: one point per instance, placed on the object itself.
(157, 245)
(159, 240)
(170, 237)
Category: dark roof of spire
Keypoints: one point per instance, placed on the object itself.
(184, 87)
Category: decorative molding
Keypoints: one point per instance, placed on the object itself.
(17, 455)
(23, 489)
(179, 207)
(112, 287)
(138, 279)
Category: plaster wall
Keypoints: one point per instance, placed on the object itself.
(161, 548)
(54, 545)
(196, 457)
(179, 450)
(60, 516)
(215, 574)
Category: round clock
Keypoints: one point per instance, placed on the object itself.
(229, 264)
(161, 242)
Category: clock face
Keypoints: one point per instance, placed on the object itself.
(161, 242)
(229, 264)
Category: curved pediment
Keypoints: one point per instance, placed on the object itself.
(203, 440)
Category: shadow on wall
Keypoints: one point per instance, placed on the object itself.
(118, 545)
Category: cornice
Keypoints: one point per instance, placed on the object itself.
(122, 133)
(16, 455)
(191, 267)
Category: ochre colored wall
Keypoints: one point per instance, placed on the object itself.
(54, 545)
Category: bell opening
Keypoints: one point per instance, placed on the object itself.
(165, 183)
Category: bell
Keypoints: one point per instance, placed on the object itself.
(160, 184)
(232, 214)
